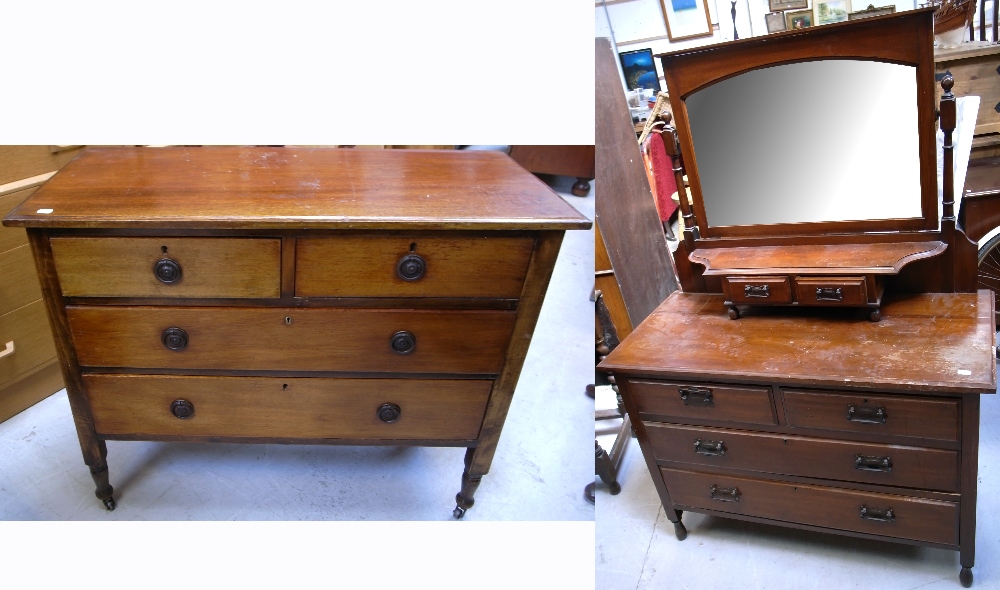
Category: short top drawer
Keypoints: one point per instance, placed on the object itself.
(725, 403)
(757, 290)
(440, 266)
(915, 417)
(168, 267)
(831, 291)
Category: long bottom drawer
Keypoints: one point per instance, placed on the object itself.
(287, 408)
(903, 517)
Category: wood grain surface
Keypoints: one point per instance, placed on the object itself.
(210, 267)
(24, 161)
(730, 403)
(267, 188)
(18, 281)
(365, 266)
(924, 343)
(884, 258)
(911, 467)
(27, 328)
(287, 408)
(316, 339)
(915, 518)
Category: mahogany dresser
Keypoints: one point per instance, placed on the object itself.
(823, 365)
(287, 295)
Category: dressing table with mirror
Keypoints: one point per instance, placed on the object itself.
(822, 365)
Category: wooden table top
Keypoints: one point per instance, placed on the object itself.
(272, 188)
(925, 342)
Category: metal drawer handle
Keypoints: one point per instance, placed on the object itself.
(8, 350)
(866, 414)
(866, 463)
(829, 294)
(762, 291)
(875, 514)
(696, 396)
(167, 270)
(713, 448)
(725, 494)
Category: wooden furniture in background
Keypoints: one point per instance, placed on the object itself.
(815, 417)
(29, 371)
(974, 66)
(327, 300)
(562, 160)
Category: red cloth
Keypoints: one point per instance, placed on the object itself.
(663, 175)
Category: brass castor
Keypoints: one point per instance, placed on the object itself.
(458, 512)
(679, 531)
(110, 503)
(965, 577)
(875, 315)
(734, 314)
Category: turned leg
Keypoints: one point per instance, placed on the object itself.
(605, 468)
(464, 499)
(679, 531)
(99, 472)
(581, 188)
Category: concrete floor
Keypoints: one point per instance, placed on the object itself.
(636, 547)
(541, 465)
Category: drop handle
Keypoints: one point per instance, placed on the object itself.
(696, 396)
(866, 414)
(878, 515)
(713, 448)
(8, 350)
(760, 291)
(879, 464)
(724, 494)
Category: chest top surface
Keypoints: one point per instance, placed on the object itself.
(273, 188)
(931, 342)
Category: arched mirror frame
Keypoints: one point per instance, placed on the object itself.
(889, 39)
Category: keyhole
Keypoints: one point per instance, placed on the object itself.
(284, 386)
(413, 246)
(163, 249)
(288, 320)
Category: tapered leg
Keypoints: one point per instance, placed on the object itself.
(605, 468)
(464, 499)
(679, 531)
(100, 474)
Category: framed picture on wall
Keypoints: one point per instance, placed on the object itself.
(871, 11)
(686, 19)
(799, 20)
(775, 22)
(830, 11)
(782, 5)
(640, 72)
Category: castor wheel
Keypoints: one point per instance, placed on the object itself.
(679, 531)
(875, 315)
(459, 512)
(965, 577)
(734, 314)
(110, 504)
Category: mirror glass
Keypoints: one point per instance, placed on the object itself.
(830, 140)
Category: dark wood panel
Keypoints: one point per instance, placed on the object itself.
(565, 160)
(287, 408)
(366, 266)
(210, 187)
(890, 465)
(209, 267)
(310, 339)
(919, 519)
(729, 403)
(625, 209)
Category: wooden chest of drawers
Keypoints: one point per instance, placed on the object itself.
(293, 295)
(823, 421)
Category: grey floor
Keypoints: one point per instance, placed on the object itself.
(636, 547)
(541, 465)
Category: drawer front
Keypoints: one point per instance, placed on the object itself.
(917, 417)
(920, 519)
(757, 290)
(741, 404)
(28, 329)
(291, 339)
(18, 280)
(168, 267)
(358, 266)
(12, 237)
(891, 465)
(831, 291)
(287, 408)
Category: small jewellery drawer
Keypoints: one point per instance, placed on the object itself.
(300, 408)
(291, 339)
(904, 517)
(738, 404)
(757, 290)
(368, 266)
(831, 291)
(891, 465)
(910, 416)
(168, 267)
(25, 341)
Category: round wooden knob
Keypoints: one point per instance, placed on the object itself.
(403, 342)
(411, 267)
(167, 270)
(388, 413)
(182, 408)
(174, 339)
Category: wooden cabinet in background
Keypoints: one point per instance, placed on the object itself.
(562, 160)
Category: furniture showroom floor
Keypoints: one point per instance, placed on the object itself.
(636, 547)
(542, 464)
